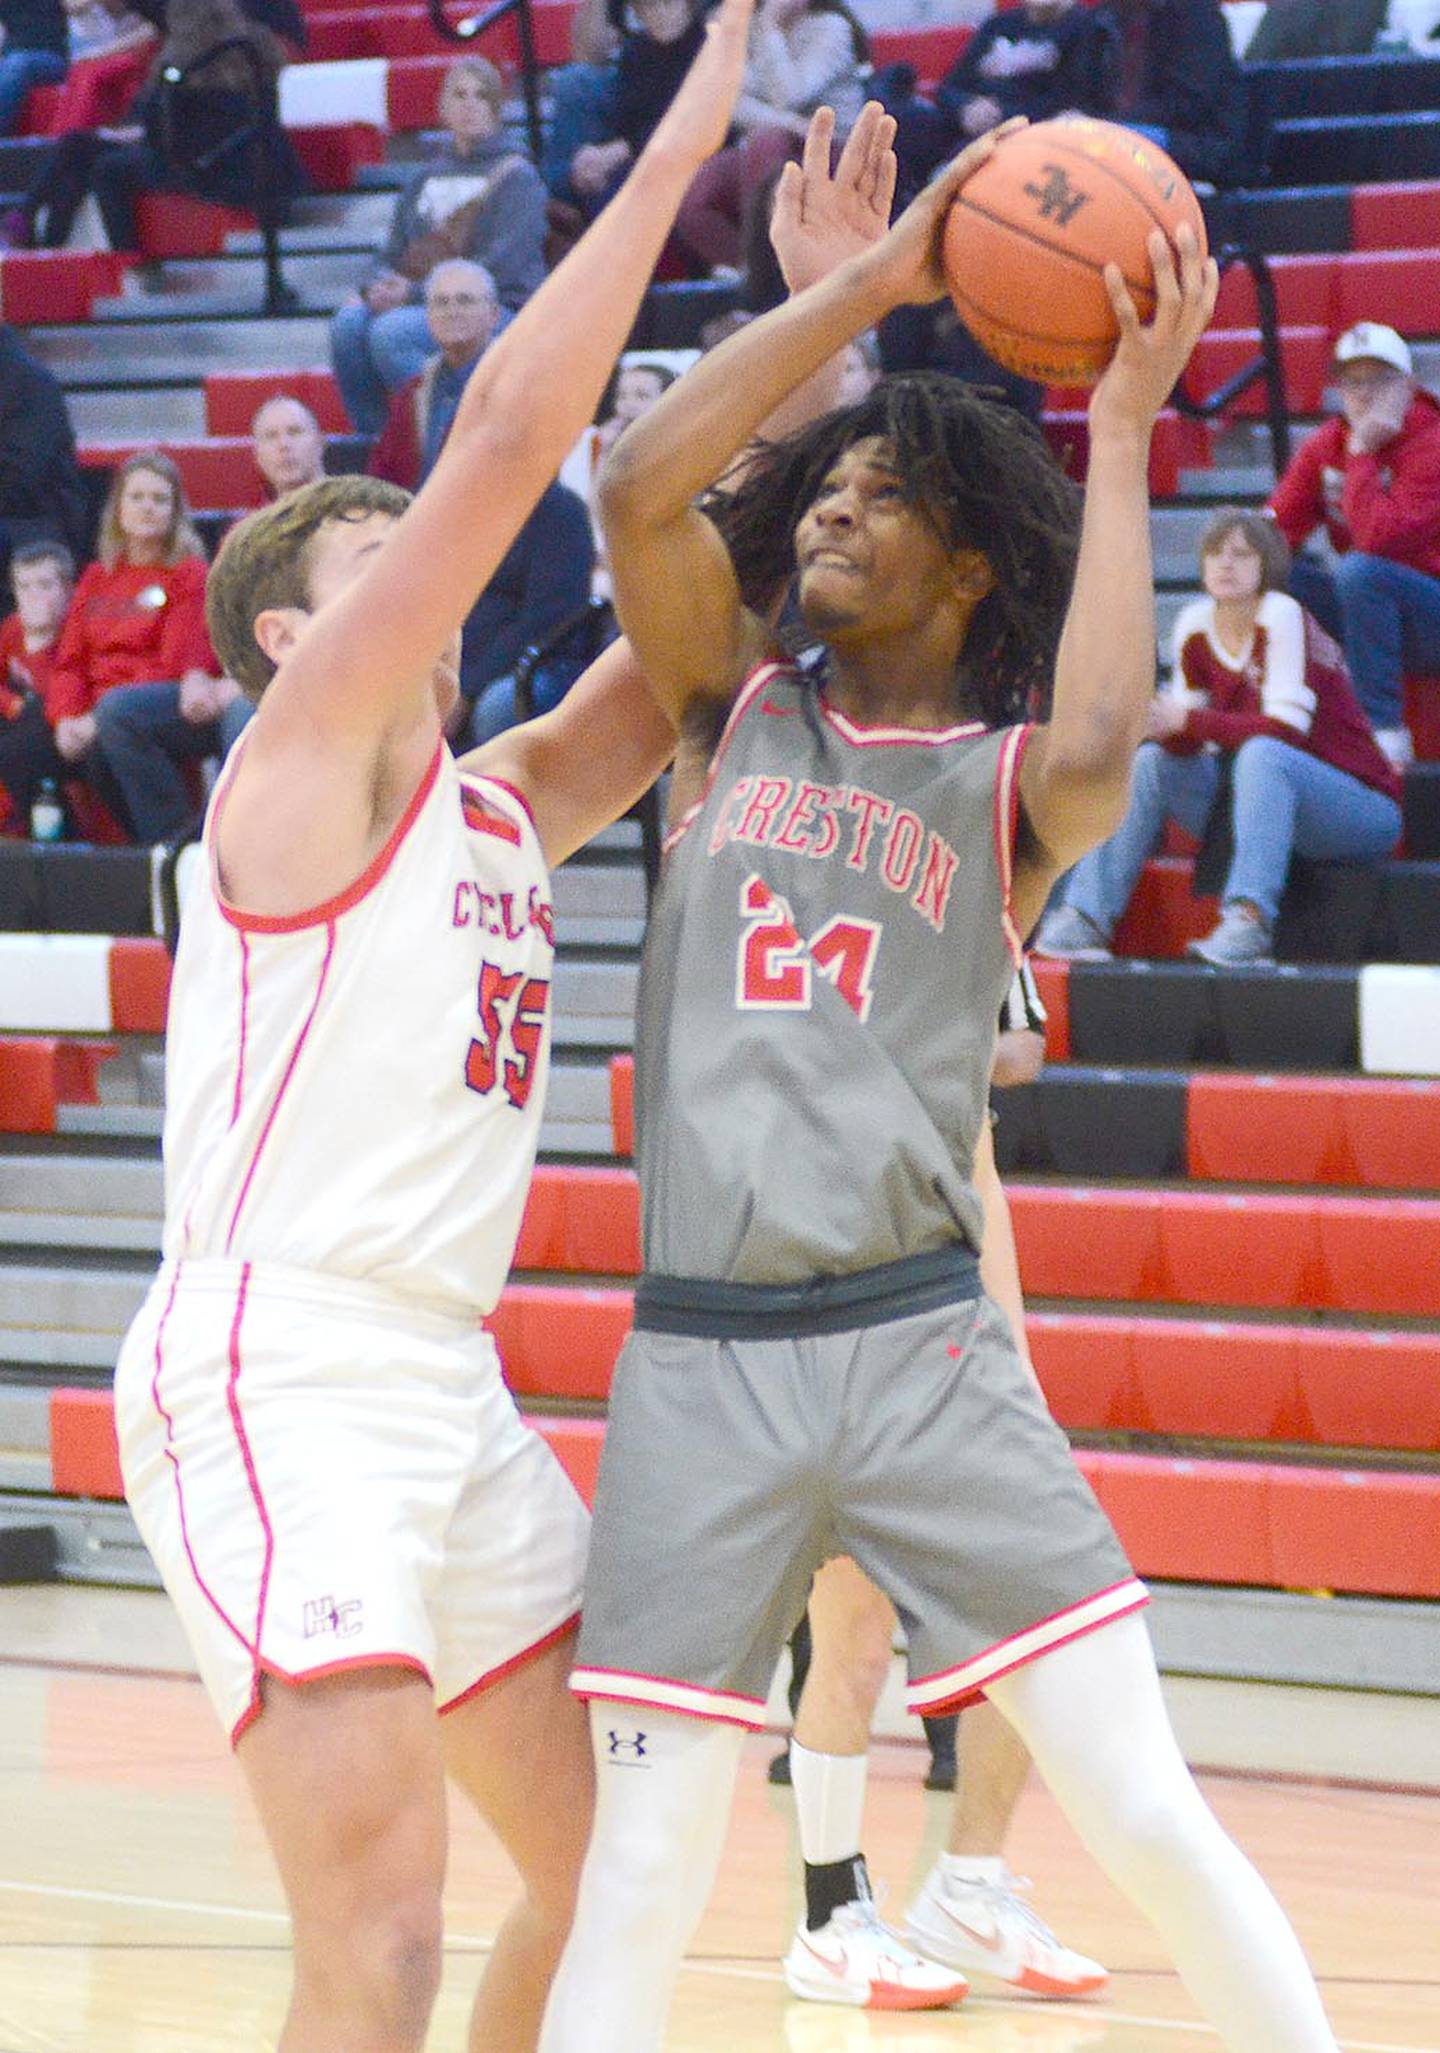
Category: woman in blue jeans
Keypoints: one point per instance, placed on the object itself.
(1258, 695)
(35, 52)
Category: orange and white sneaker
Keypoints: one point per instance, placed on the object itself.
(986, 1929)
(855, 1959)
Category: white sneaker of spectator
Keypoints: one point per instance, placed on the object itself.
(1397, 747)
(1240, 937)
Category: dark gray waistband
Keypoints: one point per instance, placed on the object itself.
(824, 1304)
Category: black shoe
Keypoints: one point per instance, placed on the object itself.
(941, 1773)
(779, 1769)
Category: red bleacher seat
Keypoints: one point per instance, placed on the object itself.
(1086, 1369)
(1389, 217)
(1375, 1388)
(233, 398)
(577, 1444)
(1392, 1131)
(622, 1104)
(1075, 1241)
(1192, 1521)
(95, 93)
(556, 1341)
(1176, 444)
(1241, 1249)
(1163, 913)
(1398, 286)
(174, 225)
(1267, 1129)
(1422, 716)
(57, 285)
(40, 1072)
(1380, 1255)
(332, 155)
(84, 1453)
(931, 50)
(1214, 1381)
(1335, 1529)
(139, 985)
(587, 1220)
(1304, 293)
(1304, 356)
(219, 472)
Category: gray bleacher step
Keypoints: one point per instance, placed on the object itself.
(101, 1235)
(593, 998)
(111, 1122)
(62, 1348)
(328, 221)
(51, 1299)
(177, 351)
(119, 416)
(1238, 485)
(87, 1189)
(230, 284)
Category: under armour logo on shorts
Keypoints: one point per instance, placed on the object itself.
(631, 1743)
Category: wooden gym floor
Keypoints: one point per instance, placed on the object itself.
(138, 1912)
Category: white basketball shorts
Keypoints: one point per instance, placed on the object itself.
(329, 1476)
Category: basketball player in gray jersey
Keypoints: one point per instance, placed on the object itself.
(814, 1371)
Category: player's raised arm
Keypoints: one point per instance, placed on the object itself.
(359, 662)
(1075, 778)
(675, 588)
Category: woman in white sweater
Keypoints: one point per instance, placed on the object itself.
(804, 54)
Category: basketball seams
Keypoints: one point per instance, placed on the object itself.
(1052, 249)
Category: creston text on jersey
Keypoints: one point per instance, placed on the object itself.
(495, 912)
(862, 829)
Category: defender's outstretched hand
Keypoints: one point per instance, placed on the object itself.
(822, 219)
(1149, 357)
(697, 120)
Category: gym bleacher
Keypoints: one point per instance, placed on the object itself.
(1225, 1185)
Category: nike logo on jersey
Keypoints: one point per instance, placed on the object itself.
(779, 712)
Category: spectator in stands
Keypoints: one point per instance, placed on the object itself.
(42, 578)
(177, 141)
(101, 28)
(288, 443)
(542, 582)
(803, 54)
(41, 493)
(1316, 28)
(35, 51)
(1258, 733)
(463, 311)
(133, 688)
(629, 63)
(1371, 478)
(1174, 78)
(637, 384)
(481, 198)
(1045, 58)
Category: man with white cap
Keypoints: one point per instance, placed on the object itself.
(1371, 475)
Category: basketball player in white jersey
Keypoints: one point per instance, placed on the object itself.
(355, 1526)
(813, 1369)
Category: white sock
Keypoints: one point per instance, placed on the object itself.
(1094, 1719)
(829, 1803)
(973, 1867)
(662, 1803)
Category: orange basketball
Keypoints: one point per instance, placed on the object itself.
(1028, 238)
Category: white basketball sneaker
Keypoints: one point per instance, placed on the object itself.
(855, 1959)
(985, 1928)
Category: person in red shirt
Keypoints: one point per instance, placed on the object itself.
(1259, 689)
(135, 693)
(42, 577)
(1371, 478)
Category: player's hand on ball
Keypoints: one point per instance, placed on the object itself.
(909, 264)
(822, 220)
(1149, 357)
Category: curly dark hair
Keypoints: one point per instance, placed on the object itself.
(981, 473)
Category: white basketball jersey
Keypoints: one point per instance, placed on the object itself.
(358, 1089)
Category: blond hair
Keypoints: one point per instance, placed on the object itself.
(264, 563)
(181, 538)
(491, 84)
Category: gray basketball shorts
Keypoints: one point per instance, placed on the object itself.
(734, 1469)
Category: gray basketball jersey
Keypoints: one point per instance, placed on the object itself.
(826, 959)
